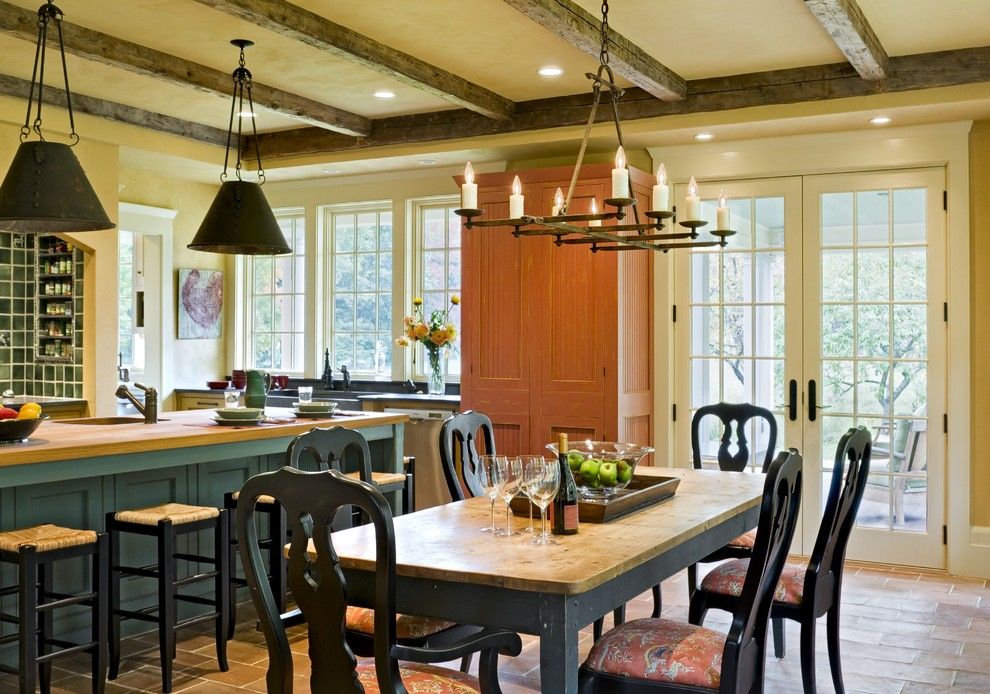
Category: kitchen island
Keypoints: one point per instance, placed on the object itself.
(72, 473)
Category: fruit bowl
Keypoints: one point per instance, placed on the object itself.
(601, 468)
(17, 430)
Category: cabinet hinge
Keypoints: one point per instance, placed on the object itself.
(673, 413)
(673, 313)
(945, 200)
(945, 423)
(945, 535)
(945, 311)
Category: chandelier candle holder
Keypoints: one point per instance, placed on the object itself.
(571, 229)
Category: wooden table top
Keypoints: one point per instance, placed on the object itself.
(63, 440)
(444, 542)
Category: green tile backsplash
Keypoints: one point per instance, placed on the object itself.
(18, 369)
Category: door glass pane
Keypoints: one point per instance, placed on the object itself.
(874, 346)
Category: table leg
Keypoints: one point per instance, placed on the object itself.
(558, 647)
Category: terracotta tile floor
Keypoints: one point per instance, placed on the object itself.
(902, 632)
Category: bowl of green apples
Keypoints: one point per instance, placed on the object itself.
(601, 468)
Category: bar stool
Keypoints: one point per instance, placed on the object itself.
(35, 551)
(165, 523)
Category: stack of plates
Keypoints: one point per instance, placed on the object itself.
(239, 416)
(315, 409)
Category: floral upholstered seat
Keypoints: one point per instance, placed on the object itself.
(660, 650)
(421, 679)
(728, 578)
(746, 540)
(407, 626)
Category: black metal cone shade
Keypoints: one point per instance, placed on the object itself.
(46, 191)
(240, 222)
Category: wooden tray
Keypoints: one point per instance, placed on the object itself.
(642, 491)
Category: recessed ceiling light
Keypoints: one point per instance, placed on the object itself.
(331, 171)
(880, 120)
(246, 114)
(703, 136)
(550, 71)
(384, 94)
(427, 162)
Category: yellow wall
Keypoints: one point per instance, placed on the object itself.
(979, 185)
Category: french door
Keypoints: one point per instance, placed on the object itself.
(833, 289)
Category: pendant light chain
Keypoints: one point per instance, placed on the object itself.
(46, 14)
(603, 52)
(242, 80)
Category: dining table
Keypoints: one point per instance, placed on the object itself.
(447, 568)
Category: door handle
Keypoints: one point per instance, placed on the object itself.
(791, 404)
(813, 405)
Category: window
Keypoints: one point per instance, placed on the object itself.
(359, 249)
(276, 288)
(129, 333)
(438, 278)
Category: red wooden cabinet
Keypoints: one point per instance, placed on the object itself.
(556, 339)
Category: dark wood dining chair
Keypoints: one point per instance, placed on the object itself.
(661, 655)
(311, 501)
(734, 418)
(807, 591)
(459, 454)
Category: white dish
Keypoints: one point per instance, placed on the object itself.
(236, 422)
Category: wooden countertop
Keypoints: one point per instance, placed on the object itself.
(64, 440)
(443, 542)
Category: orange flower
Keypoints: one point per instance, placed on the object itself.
(408, 320)
(439, 337)
(402, 341)
(451, 331)
(420, 330)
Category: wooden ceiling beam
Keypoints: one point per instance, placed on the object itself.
(795, 85)
(579, 27)
(119, 113)
(845, 23)
(108, 50)
(314, 30)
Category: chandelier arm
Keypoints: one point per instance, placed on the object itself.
(65, 77)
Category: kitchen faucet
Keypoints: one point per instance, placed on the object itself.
(150, 407)
(346, 375)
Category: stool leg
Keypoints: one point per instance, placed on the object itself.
(113, 598)
(28, 619)
(231, 551)
(222, 585)
(276, 555)
(101, 583)
(45, 626)
(166, 601)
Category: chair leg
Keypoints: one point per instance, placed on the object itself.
(45, 624)
(657, 601)
(101, 582)
(619, 615)
(113, 600)
(808, 653)
(834, 654)
(221, 585)
(597, 628)
(276, 556)
(692, 573)
(232, 564)
(698, 608)
(408, 495)
(166, 601)
(779, 638)
(466, 662)
(27, 619)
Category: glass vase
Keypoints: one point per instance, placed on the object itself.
(436, 379)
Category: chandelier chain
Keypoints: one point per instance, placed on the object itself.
(46, 14)
(603, 52)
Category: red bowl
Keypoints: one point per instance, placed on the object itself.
(218, 385)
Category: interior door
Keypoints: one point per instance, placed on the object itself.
(874, 249)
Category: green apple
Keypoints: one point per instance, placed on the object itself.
(608, 473)
(589, 471)
(625, 471)
(574, 459)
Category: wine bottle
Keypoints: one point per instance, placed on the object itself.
(565, 504)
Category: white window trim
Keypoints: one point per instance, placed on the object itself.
(325, 216)
(415, 207)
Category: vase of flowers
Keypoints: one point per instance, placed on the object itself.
(437, 333)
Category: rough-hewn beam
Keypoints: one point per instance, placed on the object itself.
(907, 73)
(120, 113)
(109, 50)
(307, 27)
(845, 23)
(579, 27)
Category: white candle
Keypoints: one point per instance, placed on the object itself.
(516, 200)
(693, 202)
(661, 191)
(469, 190)
(722, 213)
(594, 210)
(558, 203)
(620, 175)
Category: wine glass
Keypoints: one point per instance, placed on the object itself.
(541, 480)
(489, 482)
(508, 472)
(526, 460)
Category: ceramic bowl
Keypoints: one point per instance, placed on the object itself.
(324, 406)
(239, 412)
(217, 385)
(12, 430)
(601, 468)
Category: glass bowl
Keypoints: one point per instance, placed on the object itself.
(601, 468)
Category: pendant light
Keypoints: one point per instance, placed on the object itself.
(240, 220)
(45, 189)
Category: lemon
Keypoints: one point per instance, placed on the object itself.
(29, 410)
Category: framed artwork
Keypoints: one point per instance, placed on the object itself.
(200, 304)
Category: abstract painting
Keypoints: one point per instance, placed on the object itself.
(200, 304)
